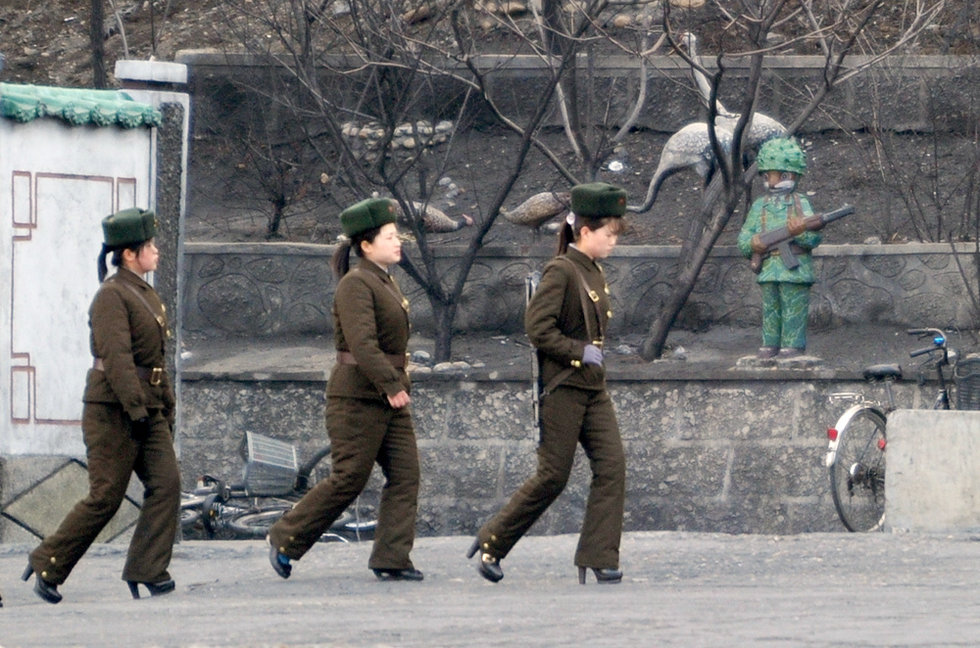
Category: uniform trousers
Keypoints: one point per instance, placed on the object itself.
(570, 416)
(113, 456)
(361, 433)
(785, 307)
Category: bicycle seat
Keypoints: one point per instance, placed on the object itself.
(883, 371)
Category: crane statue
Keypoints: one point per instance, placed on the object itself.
(761, 129)
(690, 147)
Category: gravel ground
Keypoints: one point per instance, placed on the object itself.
(680, 589)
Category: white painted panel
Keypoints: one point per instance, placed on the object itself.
(56, 184)
(54, 279)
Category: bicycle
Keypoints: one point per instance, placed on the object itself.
(272, 481)
(856, 453)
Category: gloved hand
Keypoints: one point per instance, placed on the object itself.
(139, 429)
(592, 355)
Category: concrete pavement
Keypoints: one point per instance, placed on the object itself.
(680, 589)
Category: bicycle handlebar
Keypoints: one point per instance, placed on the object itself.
(924, 351)
(938, 340)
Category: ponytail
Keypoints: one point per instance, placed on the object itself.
(340, 262)
(566, 236)
(103, 271)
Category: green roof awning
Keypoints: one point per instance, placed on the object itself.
(26, 103)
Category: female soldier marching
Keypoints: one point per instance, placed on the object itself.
(566, 321)
(127, 420)
(368, 415)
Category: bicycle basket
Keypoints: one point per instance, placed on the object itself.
(270, 466)
(967, 377)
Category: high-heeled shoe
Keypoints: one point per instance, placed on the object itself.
(156, 589)
(44, 589)
(408, 574)
(489, 565)
(279, 561)
(603, 575)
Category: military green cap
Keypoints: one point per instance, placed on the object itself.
(367, 214)
(128, 227)
(598, 200)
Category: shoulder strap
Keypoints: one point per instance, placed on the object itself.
(160, 320)
(587, 295)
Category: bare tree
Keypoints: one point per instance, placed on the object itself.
(365, 67)
(97, 43)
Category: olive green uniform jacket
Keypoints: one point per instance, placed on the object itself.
(129, 329)
(128, 336)
(370, 321)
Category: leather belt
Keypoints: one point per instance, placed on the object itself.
(152, 375)
(397, 360)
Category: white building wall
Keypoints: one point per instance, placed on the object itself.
(57, 182)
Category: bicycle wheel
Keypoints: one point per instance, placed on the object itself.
(857, 474)
(255, 524)
(190, 509)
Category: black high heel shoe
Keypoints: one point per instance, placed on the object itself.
(279, 561)
(489, 565)
(156, 589)
(408, 574)
(44, 589)
(607, 575)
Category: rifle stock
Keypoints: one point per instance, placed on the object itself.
(530, 285)
(780, 238)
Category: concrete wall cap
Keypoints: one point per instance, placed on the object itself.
(151, 71)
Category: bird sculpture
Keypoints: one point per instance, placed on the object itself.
(690, 147)
(539, 209)
(433, 219)
(762, 127)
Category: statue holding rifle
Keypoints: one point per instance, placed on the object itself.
(778, 235)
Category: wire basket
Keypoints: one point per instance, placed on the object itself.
(270, 466)
(967, 376)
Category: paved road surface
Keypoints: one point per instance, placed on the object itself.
(680, 589)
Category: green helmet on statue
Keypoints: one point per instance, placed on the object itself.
(781, 154)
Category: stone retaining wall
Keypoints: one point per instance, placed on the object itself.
(281, 289)
(729, 452)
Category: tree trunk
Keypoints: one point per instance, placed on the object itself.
(98, 44)
(690, 262)
(443, 316)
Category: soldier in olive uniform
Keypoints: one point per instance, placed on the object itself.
(127, 420)
(369, 418)
(785, 291)
(566, 322)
